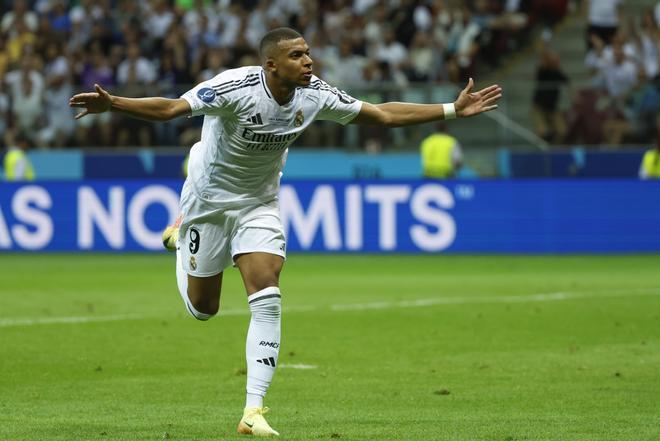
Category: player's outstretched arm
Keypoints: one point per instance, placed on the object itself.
(396, 114)
(152, 109)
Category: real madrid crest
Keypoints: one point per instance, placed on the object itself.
(193, 263)
(300, 118)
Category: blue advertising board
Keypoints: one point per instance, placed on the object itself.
(521, 216)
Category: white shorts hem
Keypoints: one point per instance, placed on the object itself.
(248, 251)
(211, 274)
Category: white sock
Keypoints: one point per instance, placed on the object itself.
(263, 343)
(182, 282)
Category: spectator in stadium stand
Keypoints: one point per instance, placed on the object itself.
(59, 18)
(193, 16)
(159, 18)
(636, 121)
(203, 38)
(257, 21)
(374, 29)
(650, 166)
(19, 14)
(4, 110)
(126, 14)
(230, 25)
(346, 68)
(136, 75)
(22, 39)
(392, 51)
(215, 63)
(285, 88)
(647, 40)
(175, 45)
(83, 16)
(620, 77)
(26, 87)
(425, 60)
(95, 70)
(60, 125)
(604, 17)
(463, 45)
(4, 56)
(135, 70)
(17, 165)
(441, 154)
(549, 122)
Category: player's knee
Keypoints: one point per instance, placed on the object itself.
(205, 305)
(263, 283)
(200, 306)
(202, 296)
(263, 280)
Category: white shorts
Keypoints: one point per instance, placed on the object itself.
(210, 237)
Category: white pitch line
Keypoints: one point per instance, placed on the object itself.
(297, 366)
(9, 322)
(456, 300)
(547, 297)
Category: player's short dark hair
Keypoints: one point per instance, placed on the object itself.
(270, 40)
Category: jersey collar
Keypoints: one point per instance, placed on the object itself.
(262, 77)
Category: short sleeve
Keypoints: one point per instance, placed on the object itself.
(204, 100)
(336, 105)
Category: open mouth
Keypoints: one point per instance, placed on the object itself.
(307, 75)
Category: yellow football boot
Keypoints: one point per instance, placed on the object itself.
(171, 235)
(254, 423)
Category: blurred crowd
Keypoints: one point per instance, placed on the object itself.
(50, 49)
(621, 99)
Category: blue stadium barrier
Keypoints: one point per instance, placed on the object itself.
(570, 164)
(611, 164)
(408, 216)
(335, 164)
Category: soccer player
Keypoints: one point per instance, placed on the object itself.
(229, 206)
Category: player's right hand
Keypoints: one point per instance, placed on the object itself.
(95, 102)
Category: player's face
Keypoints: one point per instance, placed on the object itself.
(293, 62)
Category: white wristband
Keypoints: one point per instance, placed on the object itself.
(449, 110)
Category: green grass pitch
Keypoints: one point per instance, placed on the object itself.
(99, 347)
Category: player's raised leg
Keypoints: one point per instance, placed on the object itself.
(260, 272)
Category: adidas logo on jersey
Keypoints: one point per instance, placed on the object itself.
(256, 119)
(270, 361)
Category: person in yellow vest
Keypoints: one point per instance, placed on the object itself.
(184, 166)
(650, 167)
(17, 164)
(441, 155)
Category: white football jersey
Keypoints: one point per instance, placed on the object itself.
(246, 132)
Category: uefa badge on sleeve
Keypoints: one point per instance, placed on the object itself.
(206, 94)
(300, 118)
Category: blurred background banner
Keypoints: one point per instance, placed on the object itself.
(408, 216)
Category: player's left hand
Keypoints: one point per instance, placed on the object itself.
(473, 103)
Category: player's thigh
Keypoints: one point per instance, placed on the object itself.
(259, 270)
(205, 252)
(205, 249)
(204, 292)
(259, 247)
